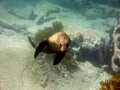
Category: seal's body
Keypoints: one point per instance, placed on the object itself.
(57, 43)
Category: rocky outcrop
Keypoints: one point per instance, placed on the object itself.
(116, 54)
(89, 47)
(12, 27)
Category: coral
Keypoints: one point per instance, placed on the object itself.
(57, 26)
(112, 84)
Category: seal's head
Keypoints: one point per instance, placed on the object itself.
(63, 42)
(59, 42)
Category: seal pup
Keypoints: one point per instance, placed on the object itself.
(58, 43)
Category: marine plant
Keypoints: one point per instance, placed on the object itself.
(57, 26)
(43, 34)
(111, 84)
(48, 31)
(68, 59)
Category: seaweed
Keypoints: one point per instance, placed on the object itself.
(68, 59)
(43, 34)
(111, 84)
(57, 26)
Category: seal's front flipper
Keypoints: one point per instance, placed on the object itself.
(40, 47)
(58, 57)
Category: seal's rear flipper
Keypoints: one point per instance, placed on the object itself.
(32, 43)
(58, 57)
(40, 48)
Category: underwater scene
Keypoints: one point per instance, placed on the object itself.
(59, 44)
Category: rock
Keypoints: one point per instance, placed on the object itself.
(116, 53)
(32, 15)
(57, 10)
(18, 9)
(44, 19)
(13, 27)
(5, 25)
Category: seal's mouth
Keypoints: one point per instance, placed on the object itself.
(63, 49)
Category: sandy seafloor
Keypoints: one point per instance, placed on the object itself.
(18, 68)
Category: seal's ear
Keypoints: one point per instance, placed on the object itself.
(58, 57)
(40, 47)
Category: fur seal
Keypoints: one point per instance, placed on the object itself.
(58, 43)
